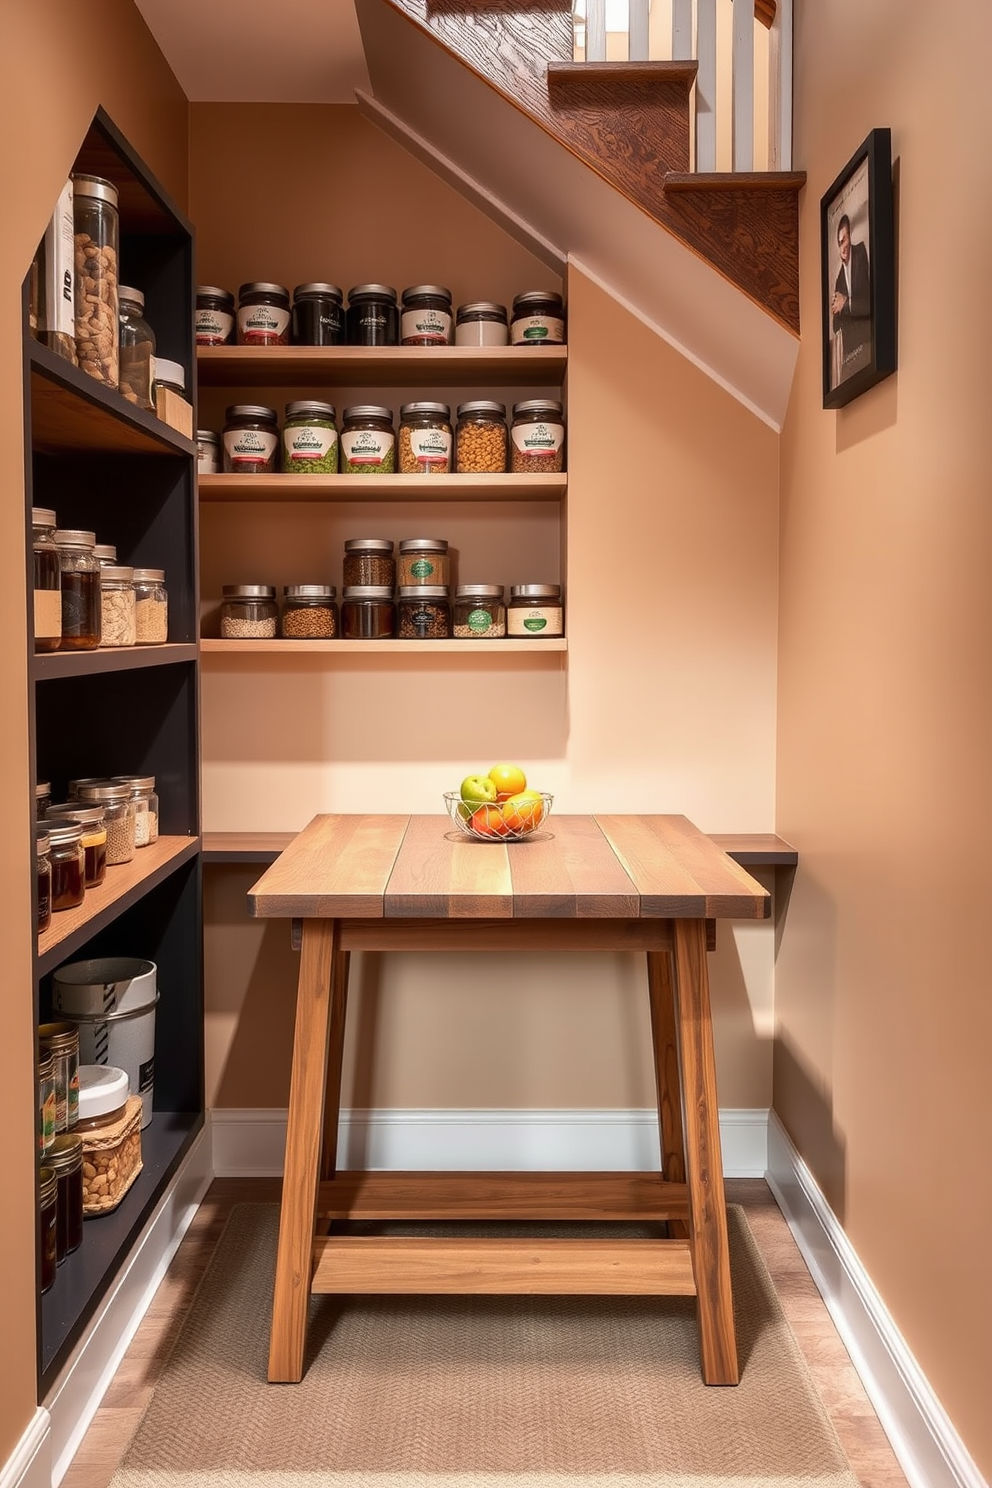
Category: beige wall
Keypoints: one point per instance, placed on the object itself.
(885, 722)
(52, 88)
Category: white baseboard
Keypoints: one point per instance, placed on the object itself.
(30, 1463)
(251, 1143)
(930, 1452)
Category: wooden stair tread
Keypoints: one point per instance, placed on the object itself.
(567, 79)
(735, 180)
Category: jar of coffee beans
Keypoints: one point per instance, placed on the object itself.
(309, 612)
(369, 560)
(481, 438)
(423, 612)
(249, 612)
(537, 438)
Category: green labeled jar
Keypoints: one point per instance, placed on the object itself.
(479, 612)
(423, 560)
(310, 439)
(535, 611)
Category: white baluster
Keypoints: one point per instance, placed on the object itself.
(743, 85)
(681, 30)
(780, 88)
(706, 85)
(637, 31)
(595, 30)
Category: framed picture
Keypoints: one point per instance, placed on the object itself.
(858, 276)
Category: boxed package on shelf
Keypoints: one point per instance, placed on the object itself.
(170, 396)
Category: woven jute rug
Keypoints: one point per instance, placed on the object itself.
(478, 1392)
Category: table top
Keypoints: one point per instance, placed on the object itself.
(575, 867)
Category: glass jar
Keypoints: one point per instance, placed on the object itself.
(481, 438)
(93, 821)
(481, 323)
(373, 318)
(538, 319)
(367, 612)
(80, 590)
(117, 614)
(46, 1100)
(263, 314)
(535, 611)
(537, 438)
(105, 553)
(43, 876)
(310, 439)
(118, 813)
(151, 607)
(249, 612)
(146, 809)
(47, 581)
(368, 442)
(62, 1042)
(309, 612)
(169, 375)
(426, 316)
(251, 439)
(479, 612)
(65, 1158)
(47, 1227)
(425, 439)
(208, 456)
(137, 348)
(423, 560)
(68, 863)
(369, 560)
(423, 612)
(318, 319)
(214, 319)
(42, 798)
(96, 231)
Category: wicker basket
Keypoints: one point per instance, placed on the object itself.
(111, 1160)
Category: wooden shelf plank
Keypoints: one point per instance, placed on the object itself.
(382, 487)
(757, 849)
(381, 366)
(109, 659)
(73, 413)
(123, 886)
(213, 647)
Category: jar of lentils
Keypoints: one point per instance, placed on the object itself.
(368, 441)
(309, 612)
(537, 438)
(151, 607)
(423, 560)
(119, 814)
(249, 612)
(369, 560)
(423, 612)
(80, 578)
(263, 314)
(481, 438)
(425, 439)
(479, 612)
(367, 612)
(251, 439)
(310, 439)
(426, 316)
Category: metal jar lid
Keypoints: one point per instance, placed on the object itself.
(58, 1035)
(207, 436)
(367, 411)
(64, 831)
(42, 840)
(136, 782)
(149, 575)
(252, 411)
(424, 545)
(482, 309)
(174, 372)
(214, 292)
(249, 591)
(479, 591)
(94, 187)
(136, 296)
(423, 591)
(542, 406)
(367, 591)
(106, 552)
(535, 591)
(309, 591)
(110, 573)
(259, 286)
(87, 816)
(371, 292)
(65, 1154)
(308, 408)
(425, 410)
(482, 406)
(70, 537)
(435, 291)
(48, 1187)
(536, 297)
(369, 545)
(107, 790)
(317, 292)
(43, 788)
(42, 516)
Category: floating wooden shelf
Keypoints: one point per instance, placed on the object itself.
(213, 647)
(382, 487)
(72, 413)
(109, 659)
(381, 366)
(757, 849)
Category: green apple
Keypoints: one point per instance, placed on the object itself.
(478, 789)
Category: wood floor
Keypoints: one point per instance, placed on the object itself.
(867, 1448)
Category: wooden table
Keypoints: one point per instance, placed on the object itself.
(386, 883)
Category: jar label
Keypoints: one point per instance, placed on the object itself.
(422, 568)
(213, 327)
(431, 448)
(207, 459)
(247, 449)
(309, 442)
(431, 326)
(367, 446)
(538, 439)
(47, 614)
(537, 620)
(260, 323)
(478, 620)
(534, 328)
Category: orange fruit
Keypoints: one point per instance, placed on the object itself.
(488, 822)
(524, 812)
(509, 780)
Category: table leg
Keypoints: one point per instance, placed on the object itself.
(294, 1257)
(335, 1056)
(666, 1070)
(704, 1161)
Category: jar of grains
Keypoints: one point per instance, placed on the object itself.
(537, 438)
(95, 232)
(117, 618)
(482, 323)
(425, 439)
(310, 439)
(92, 819)
(118, 813)
(426, 316)
(263, 314)
(535, 611)
(208, 455)
(309, 612)
(214, 323)
(151, 606)
(368, 442)
(46, 1100)
(423, 560)
(481, 437)
(43, 877)
(65, 1158)
(68, 864)
(318, 319)
(47, 1227)
(47, 581)
(369, 560)
(80, 590)
(249, 612)
(479, 612)
(145, 798)
(251, 439)
(62, 1042)
(423, 612)
(137, 342)
(367, 612)
(373, 319)
(42, 798)
(538, 319)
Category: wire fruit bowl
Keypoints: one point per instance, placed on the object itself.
(489, 821)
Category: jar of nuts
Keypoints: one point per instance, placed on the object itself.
(249, 612)
(481, 438)
(95, 232)
(309, 612)
(537, 438)
(111, 1137)
(425, 439)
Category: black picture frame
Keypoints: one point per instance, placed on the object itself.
(858, 295)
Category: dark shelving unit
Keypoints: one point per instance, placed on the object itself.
(107, 466)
